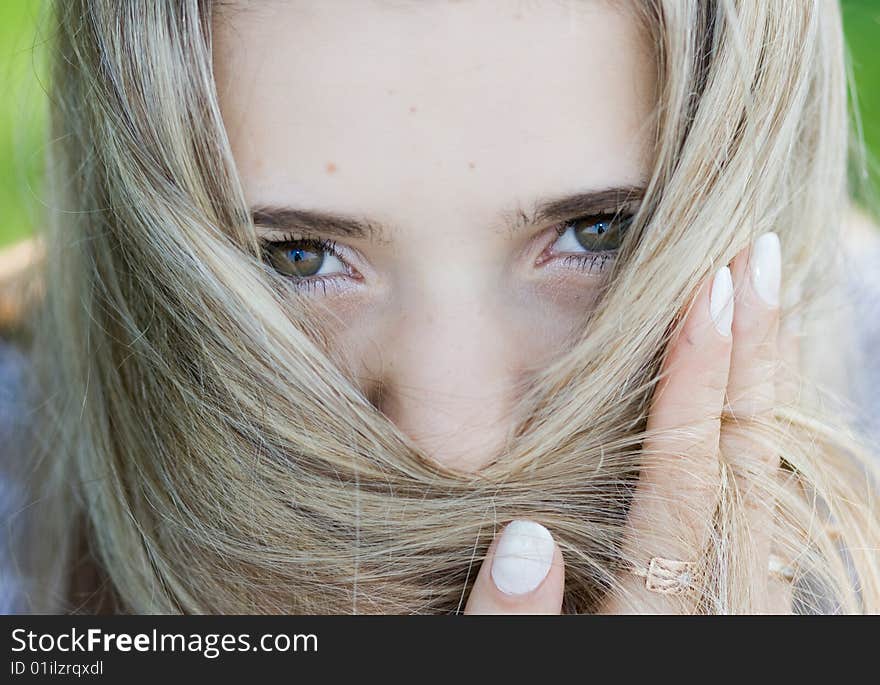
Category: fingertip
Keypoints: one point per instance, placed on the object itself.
(695, 370)
(756, 329)
(765, 268)
(757, 274)
(522, 574)
(522, 558)
(721, 301)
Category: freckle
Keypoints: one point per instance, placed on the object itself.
(412, 109)
(471, 165)
(391, 91)
(518, 15)
(331, 168)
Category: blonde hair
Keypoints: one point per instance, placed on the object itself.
(204, 479)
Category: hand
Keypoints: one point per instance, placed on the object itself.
(723, 361)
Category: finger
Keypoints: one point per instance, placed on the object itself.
(523, 573)
(680, 468)
(789, 346)
(754, 358)
(780, 591)
(751, 397)
(679, 480)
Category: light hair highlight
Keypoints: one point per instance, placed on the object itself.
(204, 480)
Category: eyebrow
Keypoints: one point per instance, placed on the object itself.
(278, 218)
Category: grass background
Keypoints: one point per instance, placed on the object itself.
(23, 104)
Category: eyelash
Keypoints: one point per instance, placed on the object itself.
(584, 262)
(308, 242)
(587, 261)
(591, 261)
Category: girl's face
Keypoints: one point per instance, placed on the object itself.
(450, 179)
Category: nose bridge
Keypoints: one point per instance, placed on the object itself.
(448, 373)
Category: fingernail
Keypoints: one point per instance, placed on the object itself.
(766, 265)
(721, 300)
(522, 557)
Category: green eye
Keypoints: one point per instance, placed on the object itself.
(593, 234)
(590, 243)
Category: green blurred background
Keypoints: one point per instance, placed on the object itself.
(23, 119)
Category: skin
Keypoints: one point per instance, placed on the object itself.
(395, 125)
(438, 125)
(738, 378)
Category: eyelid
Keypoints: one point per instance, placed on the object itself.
(316, 242)
(585, 260)
(276, 236)
(619, 216)
(622, 214)
(345, 252)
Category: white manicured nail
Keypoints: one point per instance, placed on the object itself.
(522, 557)
(721, 300)
(766, 266)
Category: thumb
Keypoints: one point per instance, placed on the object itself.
(523, 573)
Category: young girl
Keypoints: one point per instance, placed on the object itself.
(428, 307)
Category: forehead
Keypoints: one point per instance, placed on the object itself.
(375, 105)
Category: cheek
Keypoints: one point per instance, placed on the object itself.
(551, 312)
(537, 319)
(356, 331)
